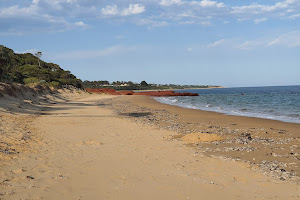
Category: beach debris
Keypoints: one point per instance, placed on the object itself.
(247, 135)
(201, 137)
(8, 151)
(30, 177)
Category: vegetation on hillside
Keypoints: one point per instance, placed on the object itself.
(28, 68)
(123, 85)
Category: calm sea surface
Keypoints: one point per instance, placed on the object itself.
(278, 103)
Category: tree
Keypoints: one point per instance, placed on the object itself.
(130, 83)
(144, 83)
(28, 68)
(3, 60)
(39, 55)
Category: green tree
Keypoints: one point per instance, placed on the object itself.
(130, 83)
(3, 61)
(39, 55)
(6, 62)
(28, 68)
(144, 84)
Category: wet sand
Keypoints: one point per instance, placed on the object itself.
(105, 147)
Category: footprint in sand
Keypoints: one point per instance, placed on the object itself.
(17, 171)
(91, 143)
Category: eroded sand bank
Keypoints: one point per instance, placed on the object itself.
(87, 151)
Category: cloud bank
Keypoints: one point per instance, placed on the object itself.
(31, 16)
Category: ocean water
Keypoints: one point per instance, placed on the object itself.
(278, 103)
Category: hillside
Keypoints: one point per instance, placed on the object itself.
(28, 68)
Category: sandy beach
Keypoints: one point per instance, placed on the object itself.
(82, 146)
(267, 144)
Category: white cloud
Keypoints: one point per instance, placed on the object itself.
(152, 23)
(257, 21)
(191, 12)
(216, 43)
(15, 11)
(23, 20)
(242, 19)
(260, 9)
(133, 9)
(187, 22)
(203, 3)
(82, 24)
(247, 45)
(254, 8)
(274, 42)
(294, 16)
(207, 3)
(60, 15)
(189, 49)
(35, 1)
(287, 40)
(110, 10)
(170, 2)
(89, 54)
(206, 23)
(113, 10)
(291, 39)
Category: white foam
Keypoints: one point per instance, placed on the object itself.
(185, 103)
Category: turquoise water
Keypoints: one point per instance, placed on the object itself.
(278, 103)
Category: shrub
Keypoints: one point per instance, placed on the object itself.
(31, 80)
(53, 84)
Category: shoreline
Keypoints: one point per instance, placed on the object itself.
(229, 114)
(271, 145)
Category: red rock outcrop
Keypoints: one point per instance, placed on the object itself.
(100, 90)
(165, 93)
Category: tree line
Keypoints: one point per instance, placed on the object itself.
(129, 85)
(28, 68)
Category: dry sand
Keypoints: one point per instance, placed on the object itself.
(82, 150)
(269, 145)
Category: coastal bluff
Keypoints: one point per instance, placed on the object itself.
(148, 93)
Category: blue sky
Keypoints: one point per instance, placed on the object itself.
(229, 42)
